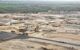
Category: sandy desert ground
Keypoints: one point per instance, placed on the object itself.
(43, 31)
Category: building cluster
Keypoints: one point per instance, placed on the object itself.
(46, 23)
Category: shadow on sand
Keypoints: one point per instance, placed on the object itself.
(5, 36)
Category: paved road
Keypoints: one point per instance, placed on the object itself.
(60, 42)
(66, 43)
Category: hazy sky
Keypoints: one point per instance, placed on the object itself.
(60, 0)
(40, 0)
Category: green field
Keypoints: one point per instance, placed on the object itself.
(36, 7)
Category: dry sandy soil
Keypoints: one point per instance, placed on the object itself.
(19, 44)
(37, 25)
